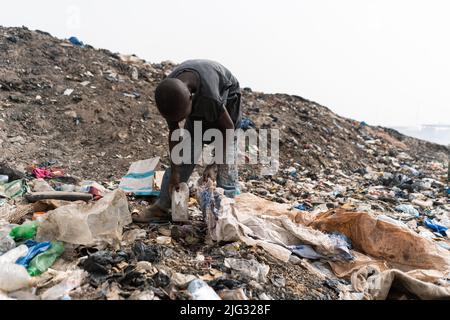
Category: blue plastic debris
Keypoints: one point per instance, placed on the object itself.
(34, 248)
(433, 225)
(210, 200)
(76, 42)
(246, 124)
(300, 206)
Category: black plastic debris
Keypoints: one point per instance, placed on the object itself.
(150, 253)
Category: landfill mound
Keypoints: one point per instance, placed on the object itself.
(94, 112)
(355, 211)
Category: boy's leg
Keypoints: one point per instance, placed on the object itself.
(227, 173)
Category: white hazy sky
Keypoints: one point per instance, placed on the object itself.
(386, 61)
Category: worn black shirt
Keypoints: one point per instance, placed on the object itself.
(218, 89)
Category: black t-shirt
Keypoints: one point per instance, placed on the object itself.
(218, 89)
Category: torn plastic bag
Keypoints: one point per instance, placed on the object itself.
(87, 224)
(13, 277)
(6, 241)
(61, 291)
(245, 220)
(12, 255)
(34, 249)
(13, 189)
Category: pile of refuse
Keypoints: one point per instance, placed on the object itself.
(66, 239)
(354, 212)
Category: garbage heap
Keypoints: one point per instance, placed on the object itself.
(62, 238)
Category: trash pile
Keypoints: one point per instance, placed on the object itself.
(77, 241)
(61, 240)
(355, 211)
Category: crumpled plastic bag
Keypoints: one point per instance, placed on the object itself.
(377, 285)
(88, 224)
(243, 219)
(13, 189)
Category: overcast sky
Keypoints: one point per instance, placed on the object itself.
(385, 62)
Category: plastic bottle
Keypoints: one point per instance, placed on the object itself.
(180, 200)
(6, 241)
(14, 254)
(61, 291)
(200, 290)
(25, 231)
(45, 260)
(13, 277)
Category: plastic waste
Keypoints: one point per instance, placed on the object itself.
(40, 185)
(433, 225)
(306, 251)
(13, 277)
(3, 179)
(68, 187)
(87, 223)
(200, 290)
(343, 244)
(180, 202)
(45, 260)
(61, 291)
(407, 208)
(87, 185)
(246, 124)
(34, 249)
(76, 41)
(14, 254)
(250, 269)
(300, 206)
(13, 189)
(25, 231)
(6, 241)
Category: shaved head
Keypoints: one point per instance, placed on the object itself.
(173, 99)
